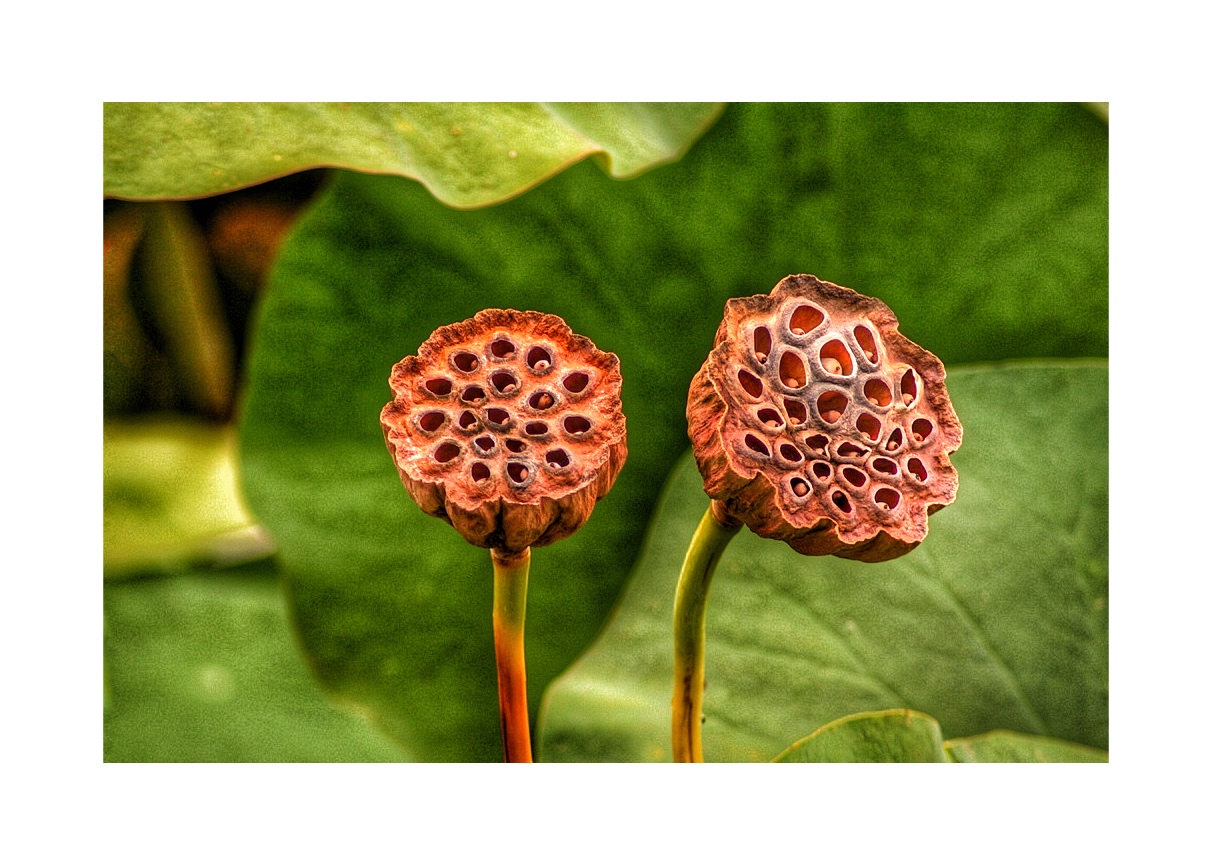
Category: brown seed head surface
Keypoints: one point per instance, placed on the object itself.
(814, 421)
(508, 426)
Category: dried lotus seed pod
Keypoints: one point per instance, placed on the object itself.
(508, 426)
(814, 421)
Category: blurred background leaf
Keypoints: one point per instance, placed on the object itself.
(172, 498)
(195, 669)
(997, 621)
(467, 154)
(202, 667)
(983, 226)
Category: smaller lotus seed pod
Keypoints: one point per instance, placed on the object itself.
(814, 421)
(508, 426)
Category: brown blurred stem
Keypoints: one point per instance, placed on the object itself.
(510, 574)
(690, 633)
(185, 300)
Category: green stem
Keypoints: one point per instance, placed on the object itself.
(510, 574)
(690, 633)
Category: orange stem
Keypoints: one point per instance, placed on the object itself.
(510, 574)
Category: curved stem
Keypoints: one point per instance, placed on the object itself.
(690, 633)
(510, 572)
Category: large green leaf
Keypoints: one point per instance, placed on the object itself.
(984, 227)
(997, 621)
(467, 154)
(201, 668)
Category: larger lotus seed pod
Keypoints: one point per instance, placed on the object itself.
(508, 426)
(814, 421)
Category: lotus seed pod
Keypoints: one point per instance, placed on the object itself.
(814, 421)
(508, 426)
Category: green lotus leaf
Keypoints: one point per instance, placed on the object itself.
(201, 667)
(467, 154)
(997, 621)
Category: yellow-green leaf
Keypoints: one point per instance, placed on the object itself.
(172, 498)
(468, 154)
